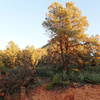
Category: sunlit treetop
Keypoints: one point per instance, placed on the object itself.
(65, 20)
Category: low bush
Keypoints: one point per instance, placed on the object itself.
(57, 81)
(17, 78)
(93, 78)
(4, 69)
(94, 69)
(89, 75)
(46, 70)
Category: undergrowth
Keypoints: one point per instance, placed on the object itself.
(64, 78)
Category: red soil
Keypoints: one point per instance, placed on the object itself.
(83, 93)
(88, 92)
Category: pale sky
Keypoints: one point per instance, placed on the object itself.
(20, 20)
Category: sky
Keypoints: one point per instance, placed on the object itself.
(20, 20)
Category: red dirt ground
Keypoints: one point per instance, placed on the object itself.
(87, 92)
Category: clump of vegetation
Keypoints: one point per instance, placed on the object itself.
(58, 81)
(64, 78)
(17, 78)
(13, 56)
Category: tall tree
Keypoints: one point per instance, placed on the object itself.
(65, 24)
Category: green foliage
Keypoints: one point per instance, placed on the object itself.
(46, 70)
(57, 81)
(92, 78)
(4, 69)
(2, 98)
(89, 75)
(92, 75)
(90, 69)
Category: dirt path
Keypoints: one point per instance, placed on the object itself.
(83, 93)
(88, 92)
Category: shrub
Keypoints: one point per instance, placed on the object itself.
(4, 69)
(17, 78)
(46, 70)
(93, 78)
(58, 81)
(95, 69)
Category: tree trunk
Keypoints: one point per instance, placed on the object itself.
(62, 53)
(66, 44)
